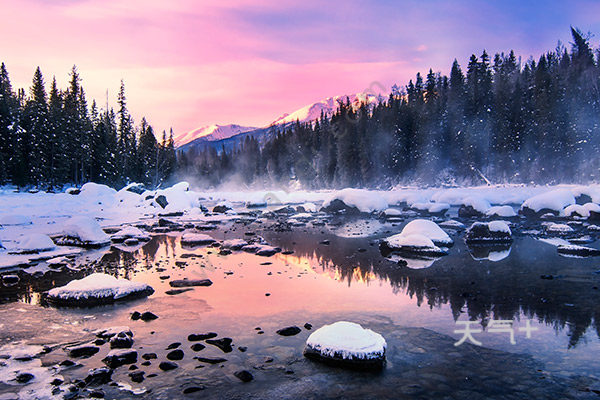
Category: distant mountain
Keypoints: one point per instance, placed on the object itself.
(327, 106)
(211, 133)
(229, 136)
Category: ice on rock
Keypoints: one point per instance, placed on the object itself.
(347, 344)
(97, 288)
(83, 231)
(365, 201)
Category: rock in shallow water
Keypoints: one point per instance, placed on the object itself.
(289, 331)
(244, 375)
(348, 345)
(116, 358)
(180, 283)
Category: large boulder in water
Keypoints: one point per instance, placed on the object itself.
(348, 345)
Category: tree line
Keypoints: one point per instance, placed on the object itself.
(48, 140)
(501, 120)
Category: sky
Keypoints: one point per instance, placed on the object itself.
(188, 64)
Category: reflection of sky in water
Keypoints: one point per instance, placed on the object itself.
(336, 281)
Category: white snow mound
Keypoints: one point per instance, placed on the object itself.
(428, 229)
(347, 340)
(366, 201)
(86, 229)
(96, 286)
(554, 200)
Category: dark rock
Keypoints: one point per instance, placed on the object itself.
(135, 315)
(267, 251)
(96, 394)
(111, 332)
(84, 350)
(243, 375)
(198, 346)
(175, 355)
(307, 326)
(133, 367)
(225, 252)
(137, 376)
(148, 316)
(146, 363)
(337, 206)
(529, 213)
(179, 283)
(549, 277)
(167, 365)
(243, 349)
(99, 376)
(173, 345)
(24, 377)
(337, 360)
(221, 208)
(116, 358)
(289, 331)
(583, 199)
(192, 389)
(195, 337)
(469, 212)
(149, 356)
(211, 360)
(137, 188)
(66, 363)
(161, 201)
(224, 344)
(121, 341)
(56, 382)
(325, 242)
(10, 280)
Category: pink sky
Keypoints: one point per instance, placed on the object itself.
(192, 63)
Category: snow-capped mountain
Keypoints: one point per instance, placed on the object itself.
(328, 106)
(217, 135)
(211, 133)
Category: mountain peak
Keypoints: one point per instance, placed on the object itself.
(211, 133)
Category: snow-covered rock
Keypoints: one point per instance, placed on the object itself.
(582, 211)
(473, 206)
(552, 228)
(428, 229)
(415, 243)
(347, 344)
(234, 244)
(97, 289)
(577, 251)
(501, 211)
(34, 243)
(196, 239)
(431, 208)
(130, 232)
(391, 213)
(550, 202)
(355, 200)
(452, 224)
(84, 232)
(490, 233)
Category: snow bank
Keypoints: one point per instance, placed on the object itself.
(478, 203)
(15, 219)
(433, 208)
(365, 201)
(555, 200)
(346, 341)
(97, 288)
(130, 232)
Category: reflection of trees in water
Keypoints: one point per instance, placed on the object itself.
(483, 290)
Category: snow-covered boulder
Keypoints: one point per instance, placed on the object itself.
(34, 243)
(391, 213)
(473, 206)
(354, 201)
(196, 239)
(413, 244)
(550, 202)
(83, 232)
(552, 228)
(130, 232)
(428, 229)
(490, 233)
(430, 208)
(347, 344)
(501, 211)
(577, 251)
(222, 207)
(581, 211)
(307, 208)
(96, 289)
(452, 224)
(234, 244)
